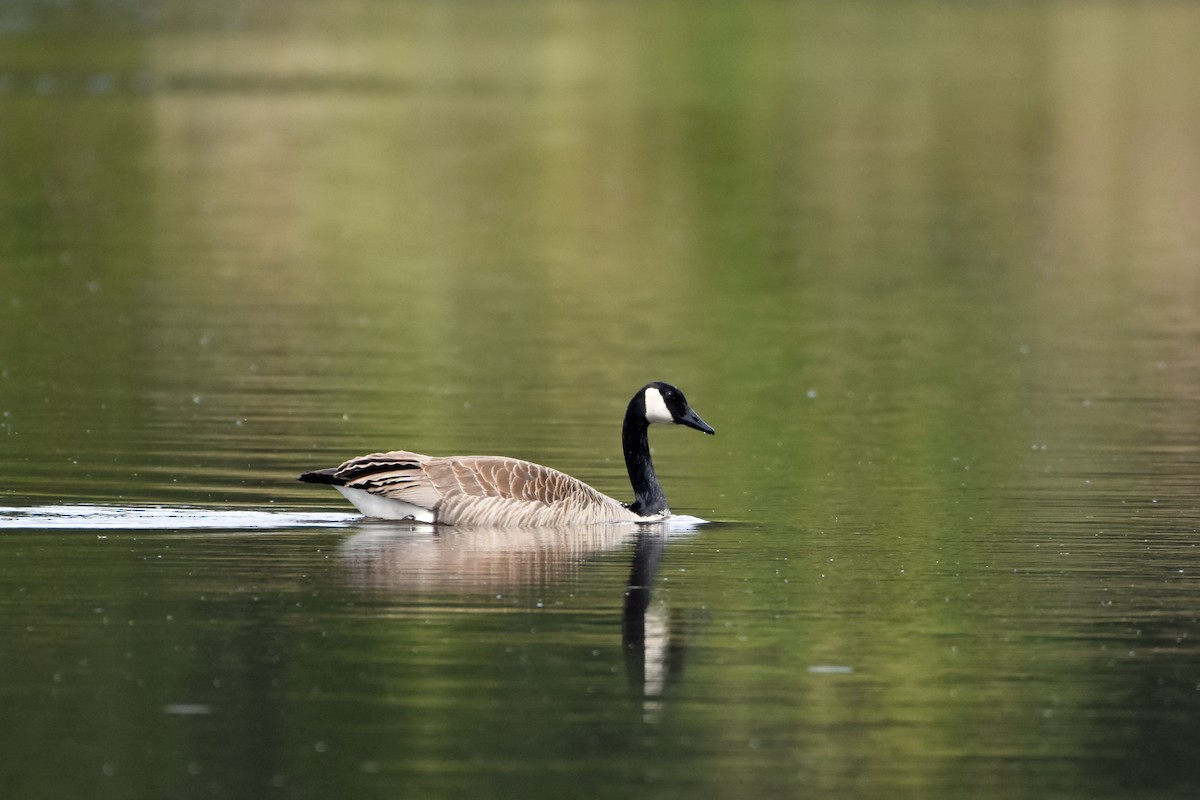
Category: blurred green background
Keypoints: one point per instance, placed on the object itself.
(931, 270)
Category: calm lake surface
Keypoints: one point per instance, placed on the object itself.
(932, 272)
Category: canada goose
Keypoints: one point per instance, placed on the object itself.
(501, 491)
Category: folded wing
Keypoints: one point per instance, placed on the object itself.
(477, 490)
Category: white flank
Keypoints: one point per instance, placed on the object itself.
(373, 505)
(656, 408)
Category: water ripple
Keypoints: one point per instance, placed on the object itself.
(92, 517)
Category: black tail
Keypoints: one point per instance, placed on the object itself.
(326, 476)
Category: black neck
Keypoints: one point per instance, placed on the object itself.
(647, 491)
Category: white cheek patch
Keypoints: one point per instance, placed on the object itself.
(656, 408)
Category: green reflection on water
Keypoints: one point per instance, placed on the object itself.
(930, 272)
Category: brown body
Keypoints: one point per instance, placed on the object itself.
(472, 490)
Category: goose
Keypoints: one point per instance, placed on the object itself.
(498, 491)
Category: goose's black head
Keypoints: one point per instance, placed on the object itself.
(663, 403)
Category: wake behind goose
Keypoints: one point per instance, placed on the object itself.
(102, 517)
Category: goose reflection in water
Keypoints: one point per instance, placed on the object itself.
(653, 656)
(409, 558)
(401, 557)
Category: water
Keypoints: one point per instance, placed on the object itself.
(931, 272)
